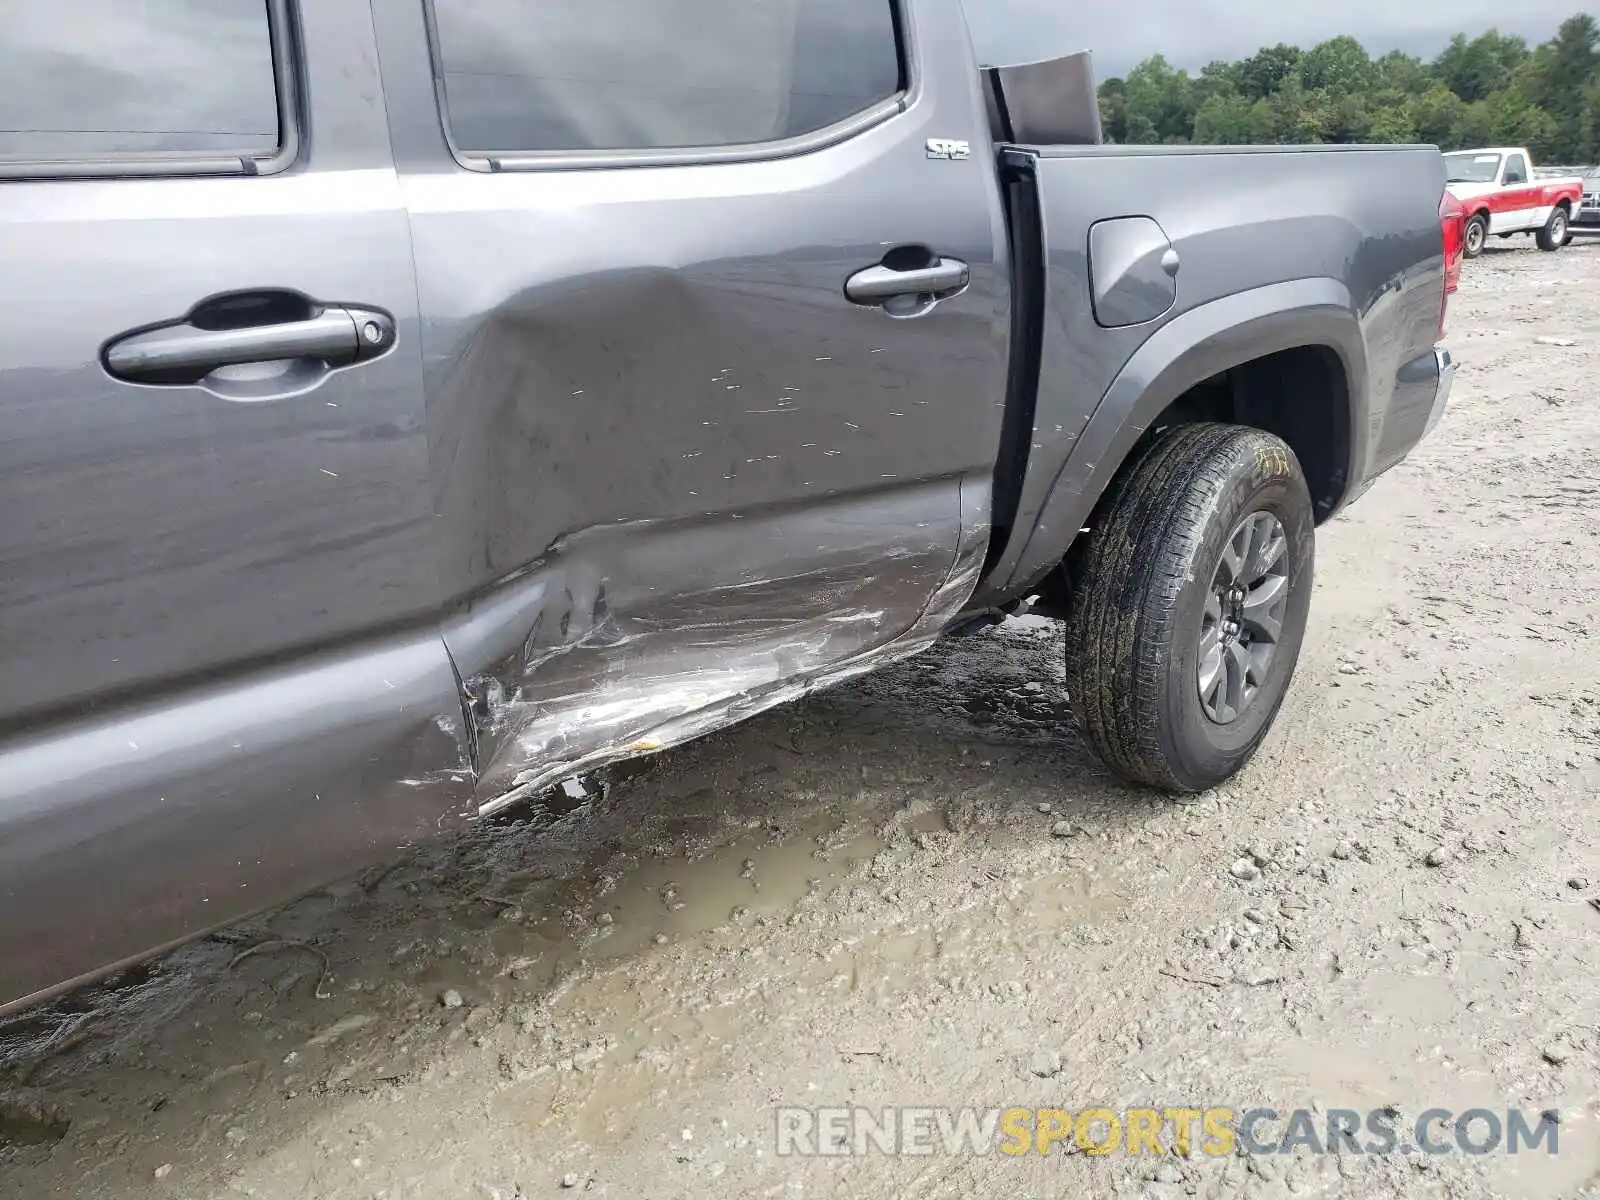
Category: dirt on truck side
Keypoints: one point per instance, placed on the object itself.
(912, 892)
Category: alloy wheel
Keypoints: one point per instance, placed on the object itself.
(1243, 617)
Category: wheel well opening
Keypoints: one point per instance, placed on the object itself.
(1300, 395)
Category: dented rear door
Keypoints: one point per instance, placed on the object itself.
(697, 428)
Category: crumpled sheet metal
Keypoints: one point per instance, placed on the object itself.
(612, 647)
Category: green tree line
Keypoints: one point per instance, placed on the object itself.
(1484, 91)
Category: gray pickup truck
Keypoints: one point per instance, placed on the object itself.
(405, 407)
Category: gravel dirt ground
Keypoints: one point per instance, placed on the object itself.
(917, 891)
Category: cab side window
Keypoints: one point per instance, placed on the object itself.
(100, 79)
(581, 76)
(1516, 169)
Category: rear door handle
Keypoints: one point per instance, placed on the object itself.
(937, 281)
(186, 352)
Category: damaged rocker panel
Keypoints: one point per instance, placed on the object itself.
(618, 643)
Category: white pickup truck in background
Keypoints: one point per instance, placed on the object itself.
(1503, 196)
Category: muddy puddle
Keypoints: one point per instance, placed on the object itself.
(641, 903)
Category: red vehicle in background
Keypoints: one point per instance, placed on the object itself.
(1503, 197)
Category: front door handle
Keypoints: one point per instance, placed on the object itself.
(186, 351)
(908, 282)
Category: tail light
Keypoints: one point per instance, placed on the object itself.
(1453, 223)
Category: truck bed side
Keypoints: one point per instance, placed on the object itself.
(1146, 274)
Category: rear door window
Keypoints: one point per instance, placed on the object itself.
(599, 75)
(99, 79)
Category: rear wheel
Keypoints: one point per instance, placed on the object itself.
(1554, 234)
(1189, 605)
(1477, 234)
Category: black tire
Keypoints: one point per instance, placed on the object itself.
(1554, 235)
(1476, 235)
(1141, 585)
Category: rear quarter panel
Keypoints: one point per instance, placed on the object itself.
(1570, 190)
(1349, 237)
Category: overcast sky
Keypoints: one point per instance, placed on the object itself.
(1193, 32)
